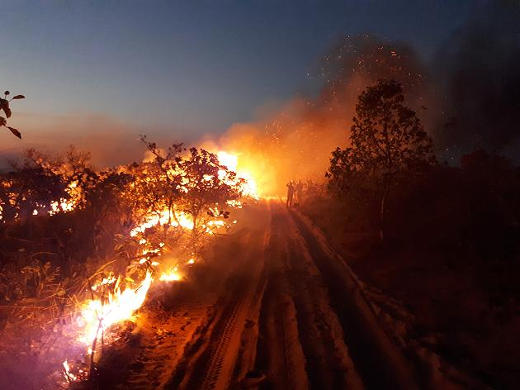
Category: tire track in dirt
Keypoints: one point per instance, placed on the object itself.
(378, 360)
(319, 356)
(279, 352)
(210, 362)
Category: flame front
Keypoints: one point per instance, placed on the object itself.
(97, 316)
(115, 304)
(163, 218)
(230, 161)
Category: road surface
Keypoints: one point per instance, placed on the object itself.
(275, 309)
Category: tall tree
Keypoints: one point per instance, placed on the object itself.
(387, 139)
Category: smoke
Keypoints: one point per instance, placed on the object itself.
(295, 143)
(477, 74)
(468, 97)
(109, 141)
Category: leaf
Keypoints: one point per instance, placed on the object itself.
(15, 131)
(18, 97)
(4, 105)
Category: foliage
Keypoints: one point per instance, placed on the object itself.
(452, 255)
(31, 187)
(5, 106)
(193, 183)
(387, 140)
(66, 226)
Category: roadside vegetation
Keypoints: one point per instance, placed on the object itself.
(442, 240)
(79, 243)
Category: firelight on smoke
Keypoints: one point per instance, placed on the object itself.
(230, 161)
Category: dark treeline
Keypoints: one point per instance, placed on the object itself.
(434, 225)
(442, 239)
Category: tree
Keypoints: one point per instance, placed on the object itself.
(4, 105)
(387, 140)
(208, 186)
(29, 188)
(188, 183)
(162, 185)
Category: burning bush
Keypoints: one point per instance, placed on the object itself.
(83, 246)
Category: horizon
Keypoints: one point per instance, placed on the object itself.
(181, 72)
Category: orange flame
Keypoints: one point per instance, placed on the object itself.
(98, 316)
(172, 275)
(230, 161)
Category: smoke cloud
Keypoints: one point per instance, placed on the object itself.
(468, 97)
(296, 142)
(477, 74)
(110, 141)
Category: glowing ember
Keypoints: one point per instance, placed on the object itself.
(172, 275)
(162, 218)
(68, 374)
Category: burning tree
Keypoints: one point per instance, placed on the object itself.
(387, 139)
(208, 186)
(195, 187)
(29, 189)
(99, 240)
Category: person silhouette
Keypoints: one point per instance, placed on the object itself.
(290, 194)
(299, 193)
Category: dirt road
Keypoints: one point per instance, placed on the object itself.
(279, 309)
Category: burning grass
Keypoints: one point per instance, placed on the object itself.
(145, 224)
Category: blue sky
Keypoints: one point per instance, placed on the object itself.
(186, 67)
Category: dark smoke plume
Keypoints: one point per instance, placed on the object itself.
(478, 73)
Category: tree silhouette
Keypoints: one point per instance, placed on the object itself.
(387, 139)
(4, 105)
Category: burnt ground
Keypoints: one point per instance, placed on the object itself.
(275, 308)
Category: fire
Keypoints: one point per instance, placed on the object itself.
(97, 316)
(67, 205)
(230, 161)
(68, 374)
(172, 275)
(162, 218)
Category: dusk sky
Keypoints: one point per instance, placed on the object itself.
(182, 68)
